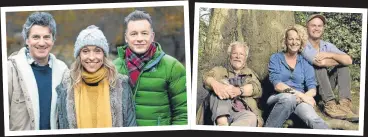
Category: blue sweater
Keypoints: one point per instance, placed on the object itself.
(43, 75)
(301, 79)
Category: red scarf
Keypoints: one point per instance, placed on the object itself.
(135, 63)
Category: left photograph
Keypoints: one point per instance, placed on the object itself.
(95, 66)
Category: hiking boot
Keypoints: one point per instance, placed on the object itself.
(347, 103)
(346, 106)
(352, 117)
(332, 110)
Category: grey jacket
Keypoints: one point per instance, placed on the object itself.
(122, 105)
(24, 111)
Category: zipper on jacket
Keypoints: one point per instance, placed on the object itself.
(159, 120)
(139, 76)
(127, 73)
(136, 85)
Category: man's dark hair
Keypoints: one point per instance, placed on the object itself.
(138, 15)
(42, 19)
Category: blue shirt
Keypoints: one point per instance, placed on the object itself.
(301, 79)
(43, 75)
(310, 53)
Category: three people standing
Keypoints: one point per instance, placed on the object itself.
(92, 93)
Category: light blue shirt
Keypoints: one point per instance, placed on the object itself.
(310, 53)
(302, 78)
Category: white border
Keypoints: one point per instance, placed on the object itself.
(96, 6)
(280, 8)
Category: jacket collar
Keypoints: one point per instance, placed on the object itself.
(322, 43)
(281, 55)
(230, 69)
(31, 60)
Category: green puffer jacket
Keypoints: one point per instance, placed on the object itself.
(160, 93)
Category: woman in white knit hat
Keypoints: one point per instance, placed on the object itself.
(92, 94)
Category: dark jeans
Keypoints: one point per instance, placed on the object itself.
(328, 80)
(224, 108)
(285, 105)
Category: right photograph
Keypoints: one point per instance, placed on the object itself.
(283, 68)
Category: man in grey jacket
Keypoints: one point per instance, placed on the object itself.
(33, 74)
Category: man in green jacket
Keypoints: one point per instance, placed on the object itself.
(157, 79)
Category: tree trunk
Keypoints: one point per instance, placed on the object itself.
(262, 30)
(214, 37)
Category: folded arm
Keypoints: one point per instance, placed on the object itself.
(252, 86)
(327, 59)
(211, 83)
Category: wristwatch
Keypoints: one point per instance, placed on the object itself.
(289, 90)
(241, 90)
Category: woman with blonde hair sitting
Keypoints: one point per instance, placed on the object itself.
(294, 81)
(92, 94)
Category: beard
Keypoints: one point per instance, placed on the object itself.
(237, 65)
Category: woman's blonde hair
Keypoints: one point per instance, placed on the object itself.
(77, 68)
(302, 33)
(244, 44)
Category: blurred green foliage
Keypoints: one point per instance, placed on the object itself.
(345, 31)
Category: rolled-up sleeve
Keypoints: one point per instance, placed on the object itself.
(309, 75)
(274, 70)
(309, 53)
(212, 73)
(332, 48)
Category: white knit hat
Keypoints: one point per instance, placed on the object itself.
(91, 36)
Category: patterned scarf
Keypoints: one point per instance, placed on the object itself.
(237, 81)
(135, 63)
